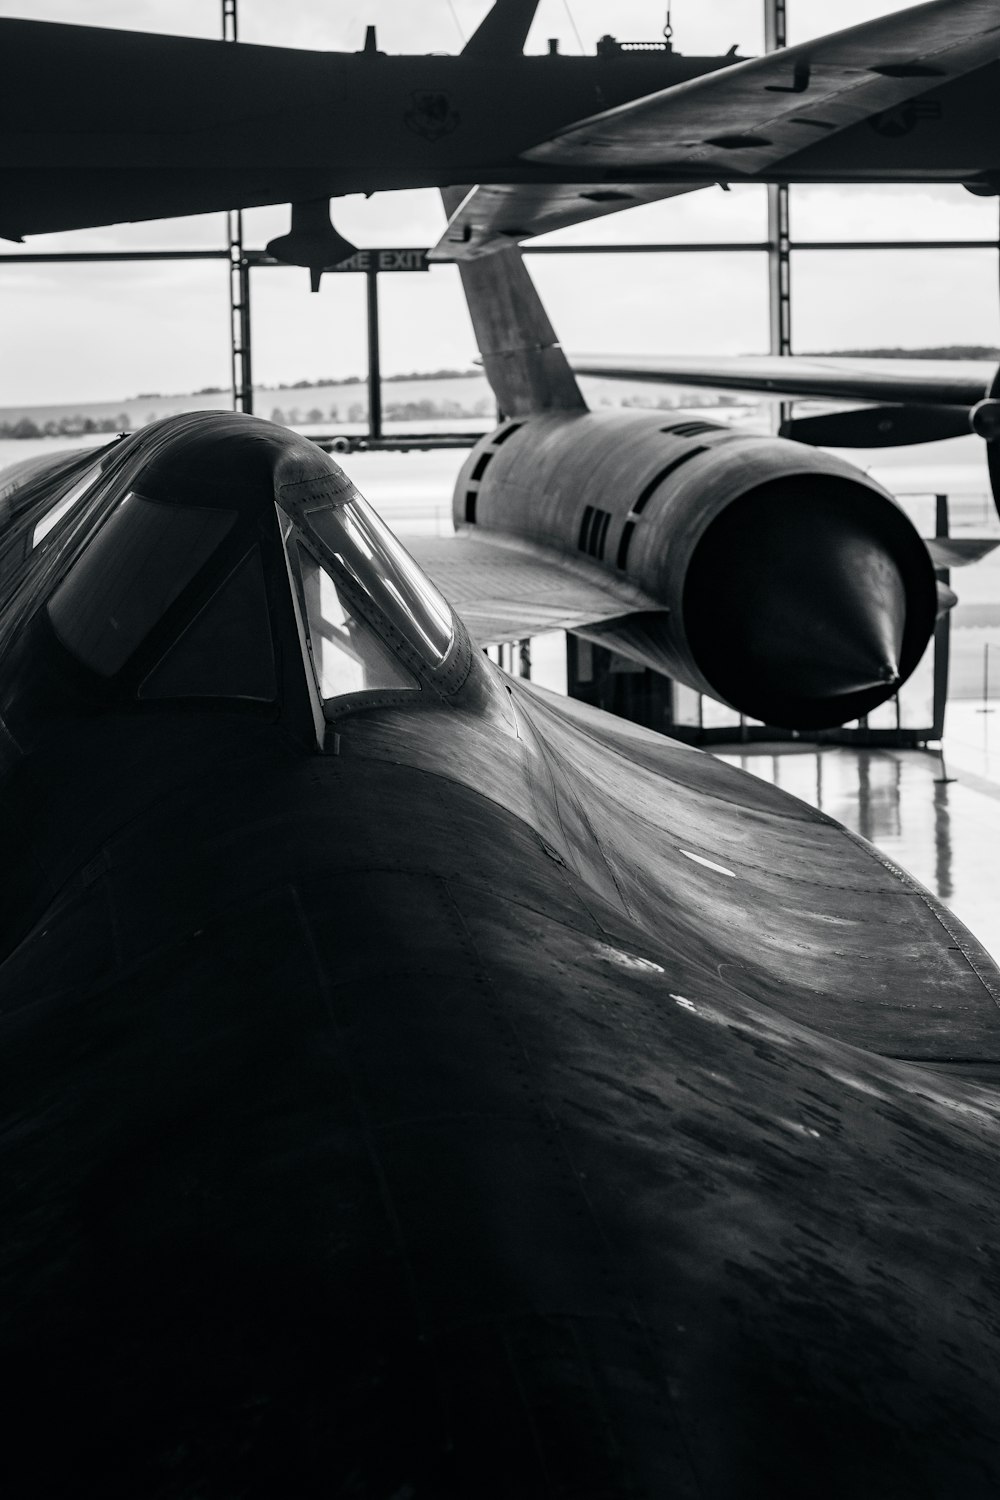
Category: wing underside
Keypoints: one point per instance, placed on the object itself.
(496, 215)
(739, 123)
(505, 592)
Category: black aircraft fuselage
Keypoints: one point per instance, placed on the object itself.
(102, 126)
(135, 126)
(415, 1084)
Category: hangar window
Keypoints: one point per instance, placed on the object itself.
(143, 557)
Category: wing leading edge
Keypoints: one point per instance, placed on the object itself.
(958, 383)
(497, 215)
(908, 401)
(736, 124)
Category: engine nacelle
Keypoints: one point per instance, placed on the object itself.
(794, 587)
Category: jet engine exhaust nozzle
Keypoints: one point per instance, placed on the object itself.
(806, 605)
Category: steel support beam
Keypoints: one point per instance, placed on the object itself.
(779, 259)
(239, 315)
(239, 272)
(942, 629)
(779, 269)
(374, 360)
(260, 260)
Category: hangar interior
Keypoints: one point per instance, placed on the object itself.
(421, 1081)
(920, 775)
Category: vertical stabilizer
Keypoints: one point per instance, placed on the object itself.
(503, 31)
(522, 357)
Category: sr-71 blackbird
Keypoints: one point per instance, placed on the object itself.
(777, 578)
(416, 1084)
(103, 126)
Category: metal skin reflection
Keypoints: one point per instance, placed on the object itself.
(465, 1093)
(778, 579)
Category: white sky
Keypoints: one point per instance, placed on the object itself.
(96, 331)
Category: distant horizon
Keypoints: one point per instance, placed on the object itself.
(86, 331)
(899, 351)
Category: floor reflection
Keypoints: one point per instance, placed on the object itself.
(943, 832)
(942, 842)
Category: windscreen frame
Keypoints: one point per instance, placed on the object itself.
(297, 503)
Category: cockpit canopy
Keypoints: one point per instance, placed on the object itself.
(367, 607)
(179, 582)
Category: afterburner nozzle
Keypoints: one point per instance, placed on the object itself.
(805, 605)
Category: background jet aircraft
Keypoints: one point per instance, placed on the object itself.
(416, 1084)
(103, 126)
(781, 580)
(907, 400)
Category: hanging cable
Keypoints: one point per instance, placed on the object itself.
(454, 17)
(579, 41)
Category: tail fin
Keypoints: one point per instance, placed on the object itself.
(503, 31)
(523, 359)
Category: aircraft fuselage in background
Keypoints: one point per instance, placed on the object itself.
(131, 126)
(102, 126)
(774, 577)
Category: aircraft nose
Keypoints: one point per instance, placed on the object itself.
(803, 603)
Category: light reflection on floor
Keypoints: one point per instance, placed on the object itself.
(945, 833)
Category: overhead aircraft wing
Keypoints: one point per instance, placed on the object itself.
(101, 126)
(930, 382)
(500, 214)
(736, 124)
(506, 591)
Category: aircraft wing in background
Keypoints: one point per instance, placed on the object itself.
(741, 123)
(913, 400)
(933, 382)
(507, 591)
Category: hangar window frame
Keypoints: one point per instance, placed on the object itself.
(778, 247)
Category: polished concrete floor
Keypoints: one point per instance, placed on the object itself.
(942, 828)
